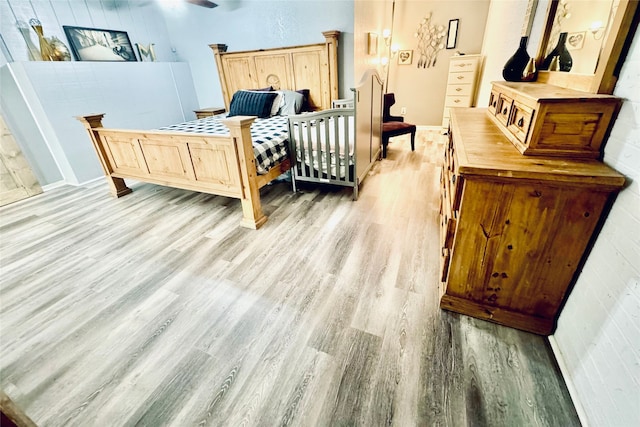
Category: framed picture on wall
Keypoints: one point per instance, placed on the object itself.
(575, 41)
(405, 57)
(452, 36)
(93, 44)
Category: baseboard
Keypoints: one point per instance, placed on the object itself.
(582, 415)
(425, 127)
(91, 181)
(49, 187)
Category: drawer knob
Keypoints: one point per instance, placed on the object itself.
(521, 122)
(458, 89)
(494, 104)
(460, 77)
(456, 100)
(504, 111)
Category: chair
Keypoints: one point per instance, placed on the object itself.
(394, 125)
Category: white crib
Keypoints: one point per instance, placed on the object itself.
(340, 145)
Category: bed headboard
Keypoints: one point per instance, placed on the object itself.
(313, 67)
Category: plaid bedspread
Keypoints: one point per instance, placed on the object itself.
(269, 136)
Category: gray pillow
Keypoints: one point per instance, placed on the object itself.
(293, 102)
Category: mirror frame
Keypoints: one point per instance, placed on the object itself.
(604, 79)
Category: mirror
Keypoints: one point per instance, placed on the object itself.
(596, 32)
(586, 27)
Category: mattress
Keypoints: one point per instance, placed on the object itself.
(269, 137)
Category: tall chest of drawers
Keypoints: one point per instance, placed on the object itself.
(514, 228)
(461, 84)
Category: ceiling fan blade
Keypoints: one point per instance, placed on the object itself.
(203, 3)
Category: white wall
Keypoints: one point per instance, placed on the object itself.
(501, 39)
(18, 117)
(598, 335)
(49, 94)
(422, 90)
(256, 24)
(141, 20)
(370, 17)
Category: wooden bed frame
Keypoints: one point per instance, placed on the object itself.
(219, 165)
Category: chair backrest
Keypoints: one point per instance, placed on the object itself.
(389, 100)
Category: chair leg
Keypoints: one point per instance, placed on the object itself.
(385, 142)
(413, 141)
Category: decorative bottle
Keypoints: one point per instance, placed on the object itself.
(45, 48)
(565, 61)
(513, 69)
(530, 73)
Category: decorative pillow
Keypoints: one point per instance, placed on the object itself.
(306, 104)
(292, 103)
(250, 103)
(277, 103)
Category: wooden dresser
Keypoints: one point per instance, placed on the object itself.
(461, 83)
(514, 228)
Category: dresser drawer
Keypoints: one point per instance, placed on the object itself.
(503, 109)
(493, 102)
(459, 90)
(457, 101)
(467, 77)
(459, 65)
(520, 121)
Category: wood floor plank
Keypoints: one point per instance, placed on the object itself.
(158, 309)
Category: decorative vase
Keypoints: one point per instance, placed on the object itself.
(565, 62)
(59, 50)
(513, 69)
(32, 50)
(46, 51)
(530, 72)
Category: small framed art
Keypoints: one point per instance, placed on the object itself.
(575, 41)
(93, 44)
(452, 36)
(405, 57)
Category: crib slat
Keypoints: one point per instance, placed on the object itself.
(327, 146)
(311, 152)
(338, 145)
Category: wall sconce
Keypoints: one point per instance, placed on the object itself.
(395, 48)
(386, 35)
(596, 29)
(384, 61)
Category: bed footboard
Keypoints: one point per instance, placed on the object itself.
(217, 165)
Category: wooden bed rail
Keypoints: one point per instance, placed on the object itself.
(220, 165)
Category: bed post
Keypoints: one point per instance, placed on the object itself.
(331, 40)
(240, 129)
(217, 50)
(117, 186)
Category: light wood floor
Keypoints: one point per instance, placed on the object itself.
(158, 309)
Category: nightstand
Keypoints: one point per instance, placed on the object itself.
(208, 112)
